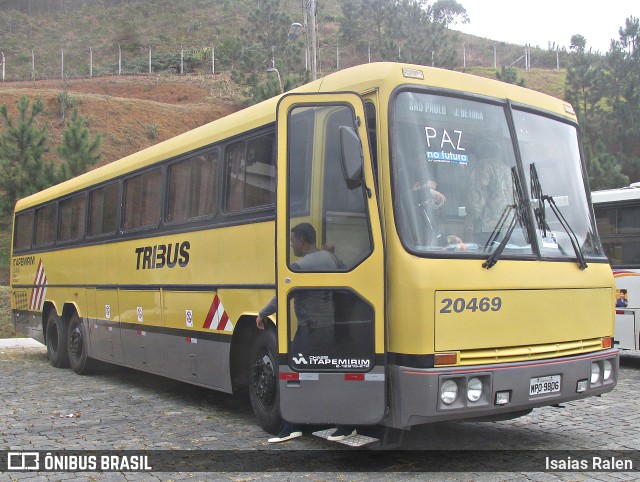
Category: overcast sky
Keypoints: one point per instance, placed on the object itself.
(540, 21)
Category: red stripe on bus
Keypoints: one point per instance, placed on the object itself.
(354, 377)
(289, 376)
(212, 312)
(223, 321)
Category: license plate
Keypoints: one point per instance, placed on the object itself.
(541, 385)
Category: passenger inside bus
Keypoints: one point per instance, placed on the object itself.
(490, 193)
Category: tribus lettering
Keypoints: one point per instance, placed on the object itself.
(163, 255)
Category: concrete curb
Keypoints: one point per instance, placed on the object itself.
(20, 343)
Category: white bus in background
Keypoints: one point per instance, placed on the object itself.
(618, 218)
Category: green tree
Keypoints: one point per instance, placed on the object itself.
(583, 89)
(621, 122)
(403, 30)
(630, 34)
(578, 43)
(77, 149)
(449, 12)
(606, 95)
(23, 169)
(265, 44)
(509, 75)
(604, 169)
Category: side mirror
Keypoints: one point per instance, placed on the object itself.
(351, 158)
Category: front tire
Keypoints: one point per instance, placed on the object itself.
(56, 340)
(263, 382)
(78, 349)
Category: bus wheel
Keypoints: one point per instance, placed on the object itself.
(263, 382)
(78, 358)
(56, 341)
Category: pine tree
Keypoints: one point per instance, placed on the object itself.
(77, 150)
(23, 169)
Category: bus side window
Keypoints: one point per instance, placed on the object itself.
(45, 225)
(191, 187)
(251, 174)
(142, 200)
(104, 210)
(23, 231)
(71, 225)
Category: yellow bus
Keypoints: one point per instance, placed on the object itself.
(469, 280)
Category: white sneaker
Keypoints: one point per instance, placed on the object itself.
(283, 437)
(341, 433)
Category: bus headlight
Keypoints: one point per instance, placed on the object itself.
(595, 373)
(607, 370)
(449, 392)
(474, 389)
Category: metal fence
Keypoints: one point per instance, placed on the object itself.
(37, 64)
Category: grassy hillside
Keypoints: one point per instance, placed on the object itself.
(6, 327)
(548, 81)
(71, 28)
(5, 237)
(42, 39)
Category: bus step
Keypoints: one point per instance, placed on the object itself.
(357, 440)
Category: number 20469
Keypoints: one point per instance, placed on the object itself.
(459, 305)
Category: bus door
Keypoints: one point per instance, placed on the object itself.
(330, 300)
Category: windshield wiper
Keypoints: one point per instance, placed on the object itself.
(536, 193)
(520, 215)
(493, 259)
(499, 225)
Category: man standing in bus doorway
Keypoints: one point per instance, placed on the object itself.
(314, 311)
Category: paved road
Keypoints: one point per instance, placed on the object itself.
(43, 408)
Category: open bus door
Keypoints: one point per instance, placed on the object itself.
(331, 305)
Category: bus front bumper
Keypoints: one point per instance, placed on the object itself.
(419, 396)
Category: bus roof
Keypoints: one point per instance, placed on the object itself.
(622, 194)
(381, 76)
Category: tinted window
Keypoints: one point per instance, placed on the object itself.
(191, 187)
(143, 194)
(72, 218)
(104, 210)
(23, 231)
(45, 225)
(251, 174)
(618, 228)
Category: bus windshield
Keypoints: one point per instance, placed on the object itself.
(458, 188)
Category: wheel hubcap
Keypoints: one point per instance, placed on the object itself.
(75, 340)
(264, 380)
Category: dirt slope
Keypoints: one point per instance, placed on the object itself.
(132, 112)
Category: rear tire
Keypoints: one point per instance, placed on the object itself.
(56, 340)
(78, 349)
(263, 382)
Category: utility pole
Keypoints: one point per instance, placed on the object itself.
(305, 11)
(312, 27)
